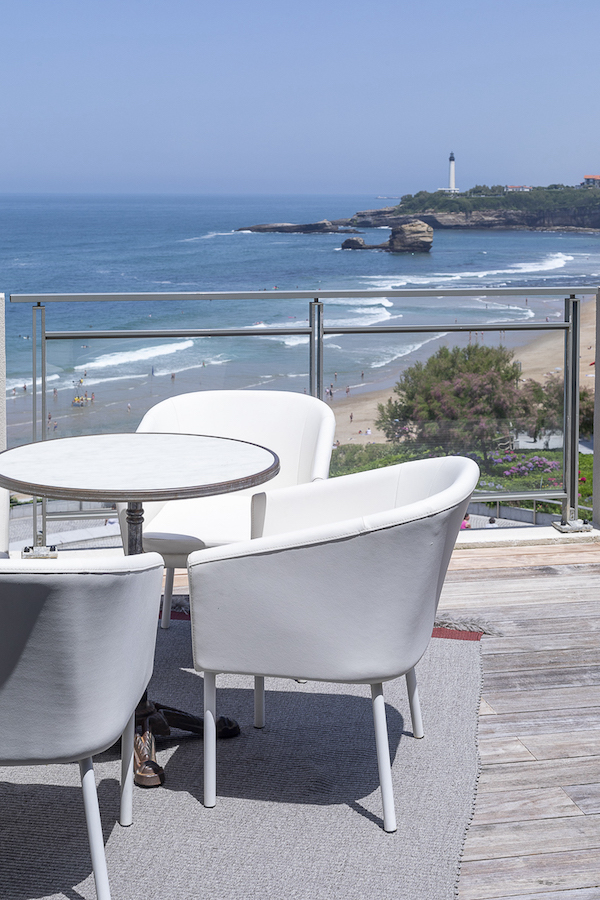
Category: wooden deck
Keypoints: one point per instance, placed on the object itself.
(536, 831)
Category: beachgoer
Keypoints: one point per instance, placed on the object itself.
(24, 387)
(362, 374)
(55, 392)
(335, 375)
(368, 431)
(347, 389)
(129, 407)
(351, 416)
(172, 376)
(93, 397)
(466, 522)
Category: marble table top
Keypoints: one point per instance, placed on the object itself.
(136, 467)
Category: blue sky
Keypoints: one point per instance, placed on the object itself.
(322, 96)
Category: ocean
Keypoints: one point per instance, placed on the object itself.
(64, 244)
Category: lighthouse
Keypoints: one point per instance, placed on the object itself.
(451, 189)
(452, 180)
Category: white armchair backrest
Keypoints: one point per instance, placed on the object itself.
(76, 652)
(343, 586)
(389, 495)
(298, 427)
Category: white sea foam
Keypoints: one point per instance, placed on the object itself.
(126, 357)
(359, 301)
(549, 263)
(18, 383)
(387, 357)
(371, 315)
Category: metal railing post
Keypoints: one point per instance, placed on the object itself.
(34, 500)
(596, 470)
(315, 318)
(44, 406)
(571, 416)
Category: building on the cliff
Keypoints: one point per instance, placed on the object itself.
(591, 181)
(522, 188)
(451, 189)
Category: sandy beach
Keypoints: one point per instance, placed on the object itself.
(540, 358)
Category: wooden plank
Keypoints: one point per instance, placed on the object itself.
(555, 698)
(477, 884)
(529, 554)
(518, 806)
(586, 796)
(515, 877)
(526, 838)
(542, 680)
(538, 721)
(508, 749)
(521, 643)
(564, 746)
(520, 625)
(538, 774)
(541, 659)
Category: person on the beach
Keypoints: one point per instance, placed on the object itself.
(351, 416)
(466, 522)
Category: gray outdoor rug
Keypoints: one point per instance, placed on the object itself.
(298, 813)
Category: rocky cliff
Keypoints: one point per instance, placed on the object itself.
(492, 218)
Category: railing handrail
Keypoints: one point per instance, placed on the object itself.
(578, 290)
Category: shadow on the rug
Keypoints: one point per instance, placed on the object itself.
(43, 835)
(316, 749)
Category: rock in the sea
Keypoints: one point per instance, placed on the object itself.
(322, 227)
(414, 237)
(354, 244)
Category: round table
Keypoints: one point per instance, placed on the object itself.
(136, 468)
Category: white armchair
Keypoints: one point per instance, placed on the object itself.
(76, 654)
(299, 428)
(342, 586)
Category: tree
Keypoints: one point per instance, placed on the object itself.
(553, 403)
(459, 400)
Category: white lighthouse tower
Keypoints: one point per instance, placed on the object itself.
(451, 189)
(452, 179)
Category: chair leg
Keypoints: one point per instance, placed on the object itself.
(210, 739)
(94, 828)
(415, 706)
(165, 619)
(126, 811)
(383, 758)
(259, 701)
